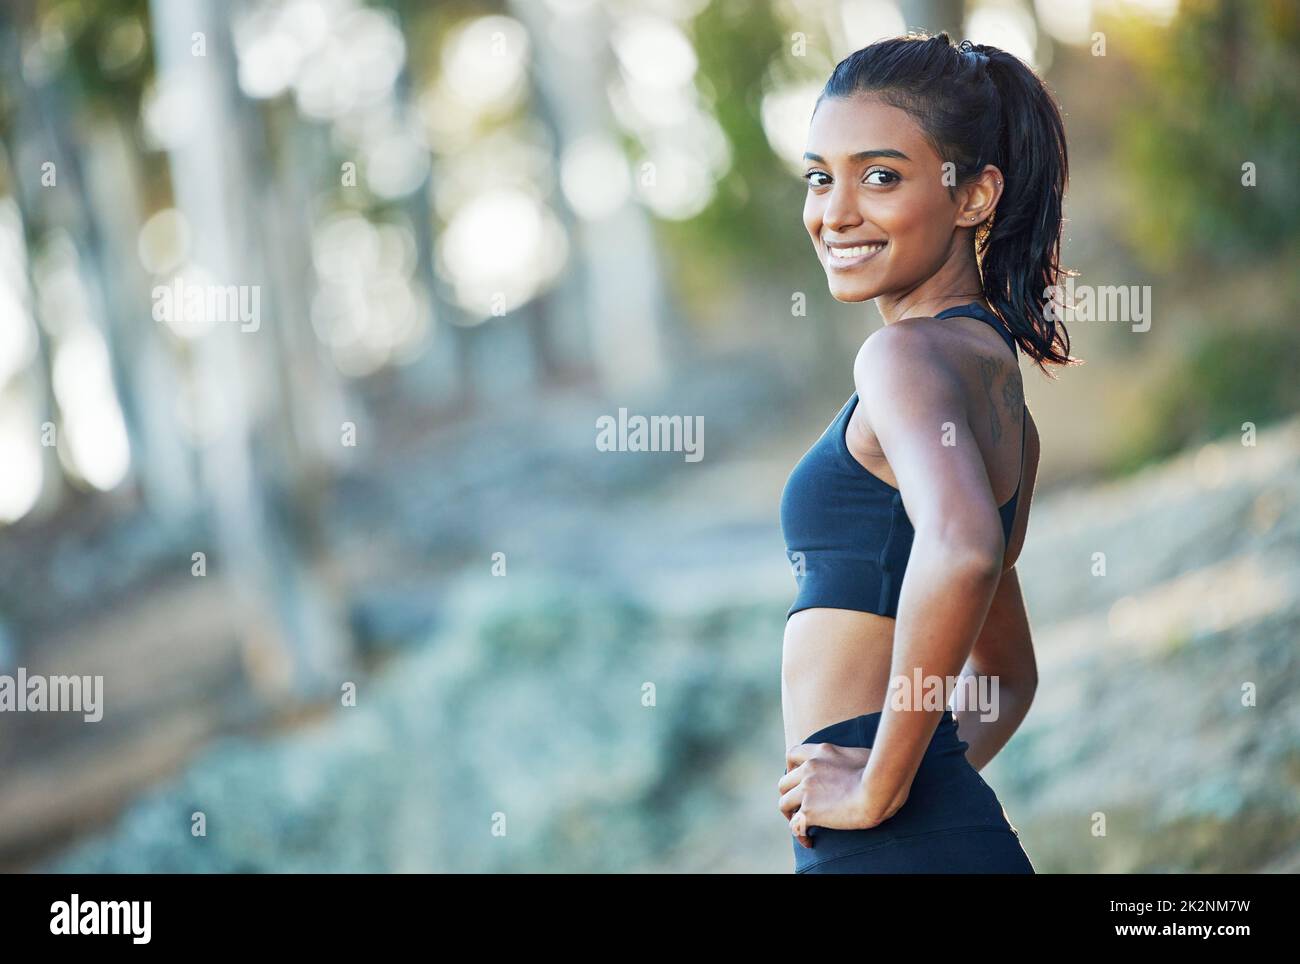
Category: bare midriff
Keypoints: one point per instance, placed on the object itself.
(834, 666)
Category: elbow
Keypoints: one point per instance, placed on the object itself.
(984, 565)
(1027, 680)
(1029, 687)
(969, 552)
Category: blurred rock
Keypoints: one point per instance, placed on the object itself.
(527, 713)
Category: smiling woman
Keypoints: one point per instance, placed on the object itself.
(945, 124)
(935, 175)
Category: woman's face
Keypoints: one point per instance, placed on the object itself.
(874, 181)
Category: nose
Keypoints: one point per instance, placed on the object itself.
(841, 209)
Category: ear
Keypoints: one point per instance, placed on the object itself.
(979, 198)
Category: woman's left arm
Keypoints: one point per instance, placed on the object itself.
(920, 416)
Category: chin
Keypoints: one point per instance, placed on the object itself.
(852, 294)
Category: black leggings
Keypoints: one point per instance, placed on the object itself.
(951, 823)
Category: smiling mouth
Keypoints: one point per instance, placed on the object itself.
(850, 256)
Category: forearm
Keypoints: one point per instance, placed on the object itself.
(987, 736)
(945, 597)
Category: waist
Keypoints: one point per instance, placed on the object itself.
(947, 796)
(861, 731)
(834, 664)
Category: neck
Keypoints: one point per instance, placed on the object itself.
(957, 282)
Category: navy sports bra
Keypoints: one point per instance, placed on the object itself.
(847, 535)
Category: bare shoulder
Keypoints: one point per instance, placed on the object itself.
(910, 355)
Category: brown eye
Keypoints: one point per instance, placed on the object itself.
(812, 174)
(882, 172)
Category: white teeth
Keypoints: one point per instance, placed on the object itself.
(846, 254)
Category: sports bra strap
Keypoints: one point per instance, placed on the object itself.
(975, 310)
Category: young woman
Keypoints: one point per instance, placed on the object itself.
(935, 180)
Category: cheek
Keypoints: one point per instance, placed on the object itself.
(899, 216)
(812, 215)
(916, 225)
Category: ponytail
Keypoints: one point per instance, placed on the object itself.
(1019, 256)
(980, 105)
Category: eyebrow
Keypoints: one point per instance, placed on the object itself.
(862, 155)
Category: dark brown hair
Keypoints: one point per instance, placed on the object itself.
(980, 105)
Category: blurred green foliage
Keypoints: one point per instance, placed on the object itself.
(754, 218)
(1217, 90)
(109, 56)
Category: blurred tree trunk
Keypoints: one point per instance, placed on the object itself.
(40, 372)
(97, 221)
(437, 376)
(144, 364)
(313, 402)
(621, 304)
(259, 519)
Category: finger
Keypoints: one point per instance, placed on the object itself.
(791, 800)
(792, 808)
(799, 827)
(790, 778)
(798, 754)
